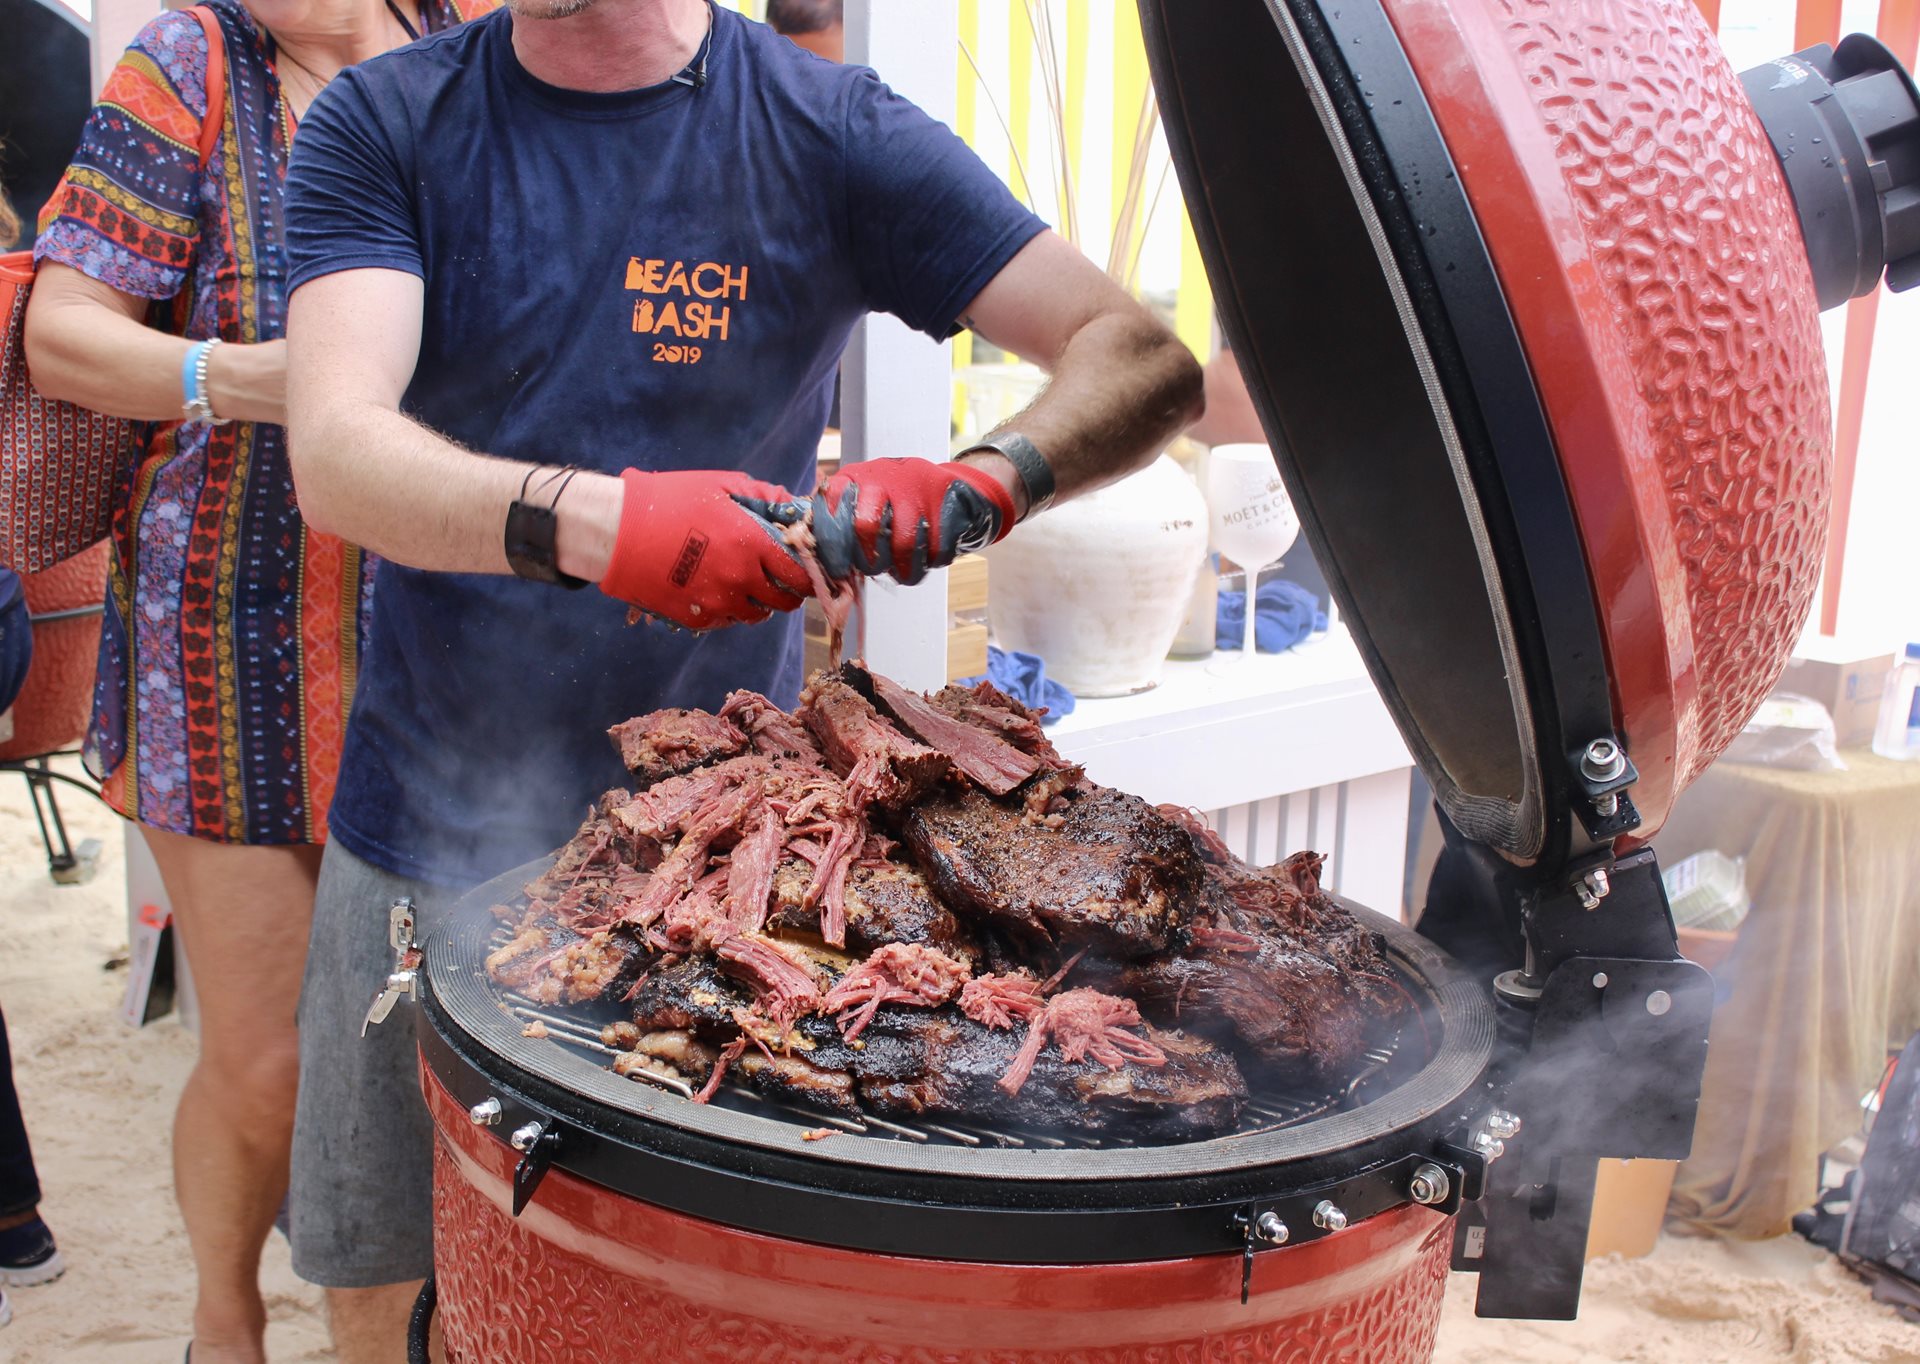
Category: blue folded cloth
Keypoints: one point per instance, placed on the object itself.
(1024, 678)
(1288, 613)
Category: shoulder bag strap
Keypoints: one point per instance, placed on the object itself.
(216, 81)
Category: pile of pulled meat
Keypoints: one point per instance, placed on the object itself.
(912, 905)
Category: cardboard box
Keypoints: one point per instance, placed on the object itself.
(966, 651)
(1629, 1204)
(1847, 680)
(966, 631)
(967, 585)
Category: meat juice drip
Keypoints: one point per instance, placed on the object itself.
(911, 905)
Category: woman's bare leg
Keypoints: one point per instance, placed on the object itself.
(243, 914)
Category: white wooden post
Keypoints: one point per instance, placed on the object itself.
(896, 385)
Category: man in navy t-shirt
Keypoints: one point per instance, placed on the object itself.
(626, 239)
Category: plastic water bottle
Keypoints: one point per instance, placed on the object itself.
(1898, 733)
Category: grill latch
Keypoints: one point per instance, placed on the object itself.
(1258, 1229)
(539, 1145)
(404, 979)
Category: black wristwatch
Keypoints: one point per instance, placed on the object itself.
(531, 530)
(1036, 475)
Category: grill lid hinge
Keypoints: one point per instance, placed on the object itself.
(1602, 772)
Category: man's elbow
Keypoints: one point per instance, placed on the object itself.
(1185, 381)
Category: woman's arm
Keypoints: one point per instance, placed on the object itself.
(88, 344)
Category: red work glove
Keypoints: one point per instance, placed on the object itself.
(696, 548)
(905, 516)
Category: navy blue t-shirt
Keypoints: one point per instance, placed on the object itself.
(663, 278)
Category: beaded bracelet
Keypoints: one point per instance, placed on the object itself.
(198, 404)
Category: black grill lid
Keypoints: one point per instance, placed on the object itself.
(1361, 303)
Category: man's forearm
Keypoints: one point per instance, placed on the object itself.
(1122, 388)
(379, 479)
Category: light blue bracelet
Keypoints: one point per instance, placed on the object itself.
(190, 379)
(198, 407)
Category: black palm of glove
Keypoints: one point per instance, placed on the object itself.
(905, 516)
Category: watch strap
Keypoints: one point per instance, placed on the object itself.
(1036, 475)
(531, 531)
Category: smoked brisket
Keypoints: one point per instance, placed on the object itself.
(913, 906)
(1110, 872)
(670, 742)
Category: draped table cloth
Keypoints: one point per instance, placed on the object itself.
(1824, 976)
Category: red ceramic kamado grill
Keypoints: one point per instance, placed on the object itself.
(1526, 295)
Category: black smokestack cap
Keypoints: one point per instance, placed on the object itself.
(1845, 124)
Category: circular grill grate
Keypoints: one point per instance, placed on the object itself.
(1267, 1111)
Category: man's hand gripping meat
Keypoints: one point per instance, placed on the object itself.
(905, 516)
(696, 547)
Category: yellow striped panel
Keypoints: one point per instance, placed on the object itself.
(1020, 41)
(1129, 84)
(1075, 96)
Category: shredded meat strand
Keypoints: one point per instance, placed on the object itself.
(837, 599)
(728, 1055)
(1084, 1025)
(998, 1001)
(897, 973)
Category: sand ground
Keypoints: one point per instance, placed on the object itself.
(98, 1098)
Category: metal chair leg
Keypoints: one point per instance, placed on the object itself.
(65, 864)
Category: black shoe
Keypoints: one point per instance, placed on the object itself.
(28, 1256)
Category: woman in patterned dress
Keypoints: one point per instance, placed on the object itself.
(232, 630)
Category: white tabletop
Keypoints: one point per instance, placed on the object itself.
(1284, 722)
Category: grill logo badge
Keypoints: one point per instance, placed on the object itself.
(689, 560)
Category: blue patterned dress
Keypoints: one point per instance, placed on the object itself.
(233, 630)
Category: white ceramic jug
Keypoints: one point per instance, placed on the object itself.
(1098, 586)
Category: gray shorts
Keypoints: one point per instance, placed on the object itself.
(361, 1197)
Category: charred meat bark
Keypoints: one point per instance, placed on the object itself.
(689, 996)
(1294, 1013)
(1273, 964)
(1286, 899)
(886, 902)
(1112, 872)
(940, 1063)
